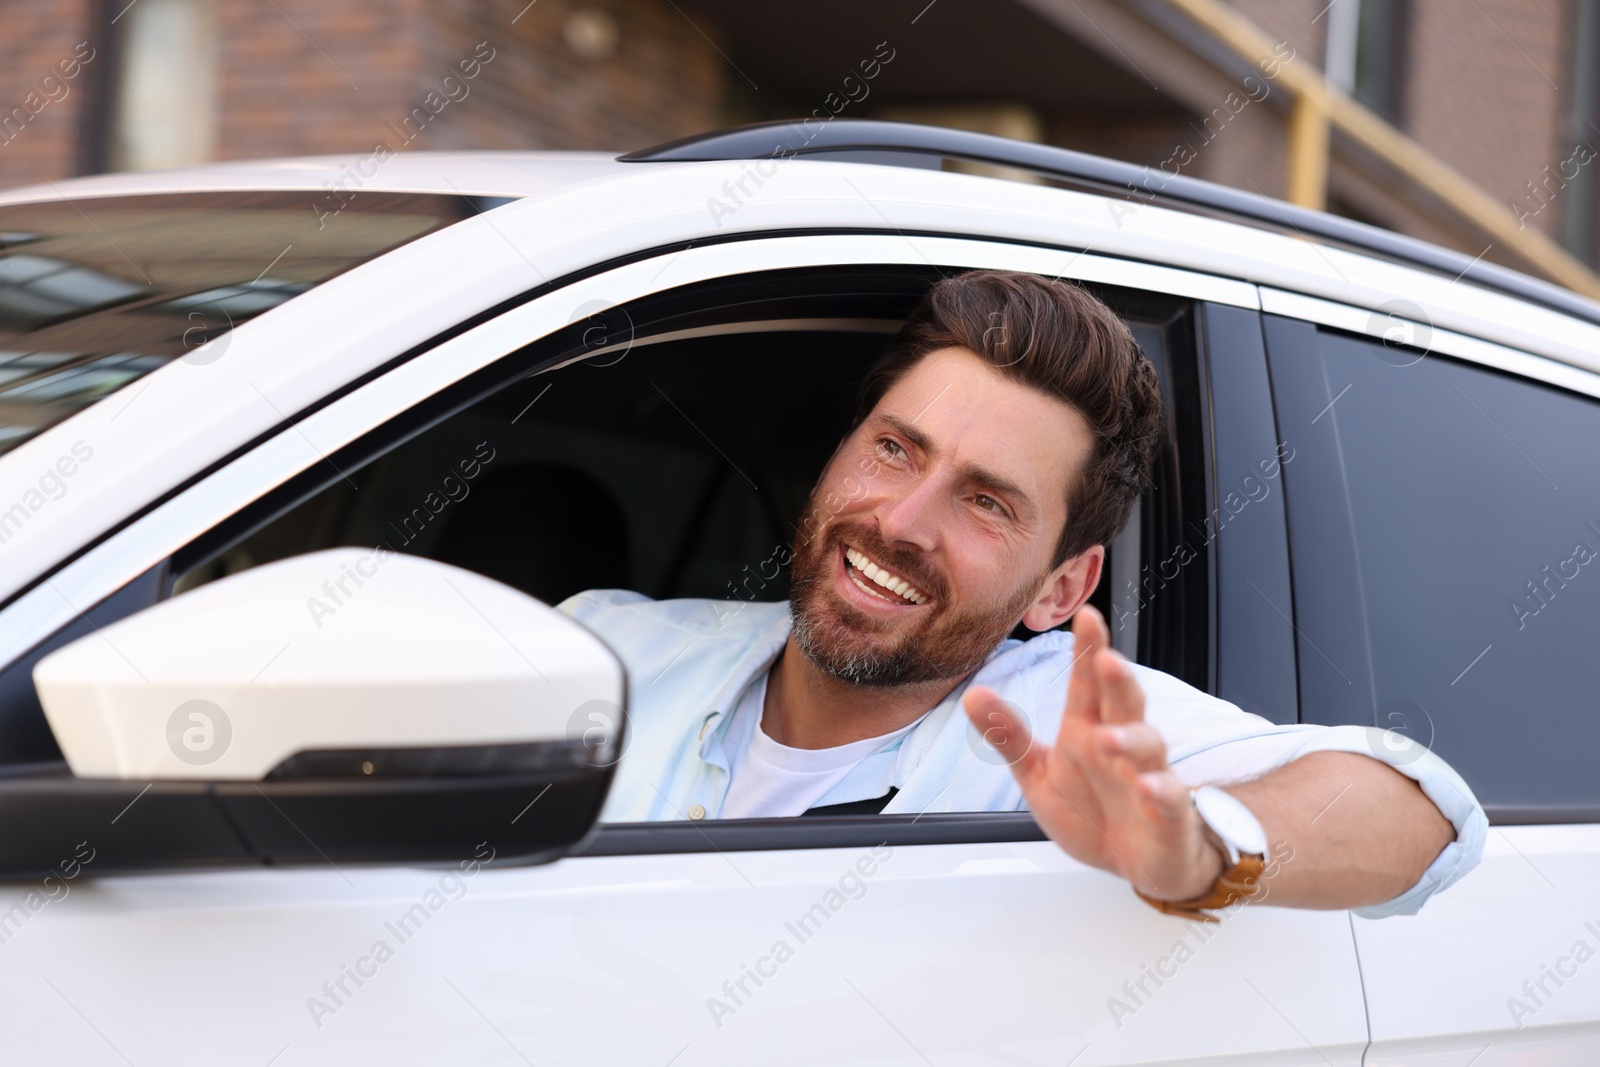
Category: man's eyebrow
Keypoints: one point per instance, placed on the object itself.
(908, 431)
(972, 472)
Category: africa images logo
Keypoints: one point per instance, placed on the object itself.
(198, 732)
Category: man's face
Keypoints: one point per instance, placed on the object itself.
(953, 492)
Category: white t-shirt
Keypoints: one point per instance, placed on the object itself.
(767, 779)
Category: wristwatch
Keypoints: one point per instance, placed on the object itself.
(1234, 831)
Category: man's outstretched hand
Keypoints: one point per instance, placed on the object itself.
(1104, 791)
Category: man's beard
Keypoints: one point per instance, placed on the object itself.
(852, 646)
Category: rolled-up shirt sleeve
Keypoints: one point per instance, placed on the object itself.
(1212, 742)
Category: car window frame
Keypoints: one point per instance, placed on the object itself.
(491, 347)
(1254, 654)
(1321, 520)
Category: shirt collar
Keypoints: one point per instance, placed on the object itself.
(763, 652)
(757, 658)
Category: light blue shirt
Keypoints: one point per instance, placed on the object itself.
(689, 661)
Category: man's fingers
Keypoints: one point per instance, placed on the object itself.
(1002, 728)
(1138, 743)
(1089, 636)
(1121, 698)
(1165, 796)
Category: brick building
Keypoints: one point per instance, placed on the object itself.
(1499, 98)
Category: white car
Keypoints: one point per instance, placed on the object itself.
(259, 807)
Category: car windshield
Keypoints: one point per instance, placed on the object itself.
(97, 292)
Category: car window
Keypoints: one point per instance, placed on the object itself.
(645, 472)
(1474, 506)
(672, 457)
(97, 292)
(675, 469)
(680, 467)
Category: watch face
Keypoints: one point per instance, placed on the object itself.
(1231, 820)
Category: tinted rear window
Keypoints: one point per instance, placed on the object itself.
(1475, 503)
(97, 292)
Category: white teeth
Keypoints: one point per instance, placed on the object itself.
(869, 589)
(883, 578)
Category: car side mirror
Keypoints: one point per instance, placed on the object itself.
(342, 706)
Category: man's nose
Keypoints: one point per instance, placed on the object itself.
(910, 514)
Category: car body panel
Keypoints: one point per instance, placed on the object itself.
(1447, 984)
(953, 953)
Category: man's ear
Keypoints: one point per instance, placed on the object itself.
(1066, 590)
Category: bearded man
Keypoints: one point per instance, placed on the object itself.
(999, 445)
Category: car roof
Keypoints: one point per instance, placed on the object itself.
(664, 204)
(1288, 266)
(496, 174)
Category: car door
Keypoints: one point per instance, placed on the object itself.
(1455, 480)
(960, 936)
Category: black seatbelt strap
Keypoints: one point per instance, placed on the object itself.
(870, 806)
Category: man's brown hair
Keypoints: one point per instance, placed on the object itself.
(1055, 337)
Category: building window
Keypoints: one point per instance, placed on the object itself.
(164, 102)
(1366, 53)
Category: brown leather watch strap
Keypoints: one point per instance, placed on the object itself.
(1239, 882)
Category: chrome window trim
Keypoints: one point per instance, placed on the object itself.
(1372, 322)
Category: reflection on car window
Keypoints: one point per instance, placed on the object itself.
(603, 476)
(1473, 497)
(97, 292)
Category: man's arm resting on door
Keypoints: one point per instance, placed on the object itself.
(1375, 823)
(1361, 833)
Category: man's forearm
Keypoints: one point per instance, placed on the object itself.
(1360, 831)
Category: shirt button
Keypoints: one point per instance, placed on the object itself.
(697, 812)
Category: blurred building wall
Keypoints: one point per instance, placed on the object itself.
(561, 75)
(303, 77)
(41, 106)
(1488, 92)
(1503, 91)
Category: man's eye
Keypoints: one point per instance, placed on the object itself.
(988, 503)
(891, 447)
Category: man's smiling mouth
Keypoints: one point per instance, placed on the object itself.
(879, 581)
